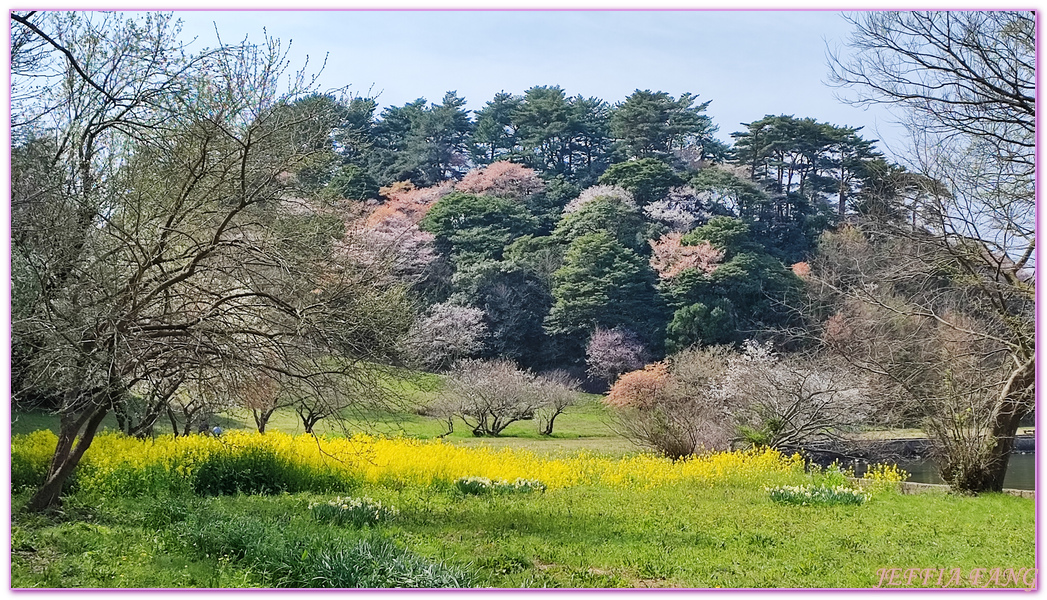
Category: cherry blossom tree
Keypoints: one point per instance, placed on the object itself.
(445, 334)
(611, 352)
(669, 257)
(597, 192)
(504, 179)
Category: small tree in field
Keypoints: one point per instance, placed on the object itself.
(557, 391)
(611, 352)
(489, 395)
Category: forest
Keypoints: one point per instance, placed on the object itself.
(542, 218)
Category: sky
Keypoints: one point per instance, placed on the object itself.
(747, 63)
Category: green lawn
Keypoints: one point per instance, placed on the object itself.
(676, 536)
(585, 426)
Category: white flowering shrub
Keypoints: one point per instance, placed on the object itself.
(793, 400)
(596, 192)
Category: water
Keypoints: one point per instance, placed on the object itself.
(1021, 471)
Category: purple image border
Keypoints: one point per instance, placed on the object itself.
(6, 374)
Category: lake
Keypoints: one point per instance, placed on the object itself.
(1021, 471)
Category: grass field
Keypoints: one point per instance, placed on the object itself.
(585, 426)
(675, 536)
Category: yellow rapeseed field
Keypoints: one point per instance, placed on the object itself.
(403, 460)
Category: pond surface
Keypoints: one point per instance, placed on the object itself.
(1021, 471)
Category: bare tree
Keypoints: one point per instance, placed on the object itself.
(158, 249)
(944, 363)
(489, 395)
(792, 401)
(557, 391)
(965, 81)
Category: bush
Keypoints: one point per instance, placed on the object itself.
(30, 459)
(255, 470)
(356, 512)
(674, 408)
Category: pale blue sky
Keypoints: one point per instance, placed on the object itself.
(748, 63)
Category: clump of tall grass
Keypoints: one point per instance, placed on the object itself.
(288, 558)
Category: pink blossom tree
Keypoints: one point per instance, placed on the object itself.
(669, 257)
(504, 179)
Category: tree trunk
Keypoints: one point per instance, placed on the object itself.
(1011, 408)
(67, 456)
(261, 418)
(174, 422)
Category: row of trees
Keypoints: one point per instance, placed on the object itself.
(575, 138)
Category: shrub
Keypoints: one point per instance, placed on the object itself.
(675, 408)
(794, 400)
(355, 512)
(259, 470)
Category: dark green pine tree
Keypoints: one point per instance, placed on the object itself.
(603, 283)
(494, 136)
(469, 228)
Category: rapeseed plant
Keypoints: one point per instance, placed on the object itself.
(113, 458)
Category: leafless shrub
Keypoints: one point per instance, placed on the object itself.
(675, 408)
